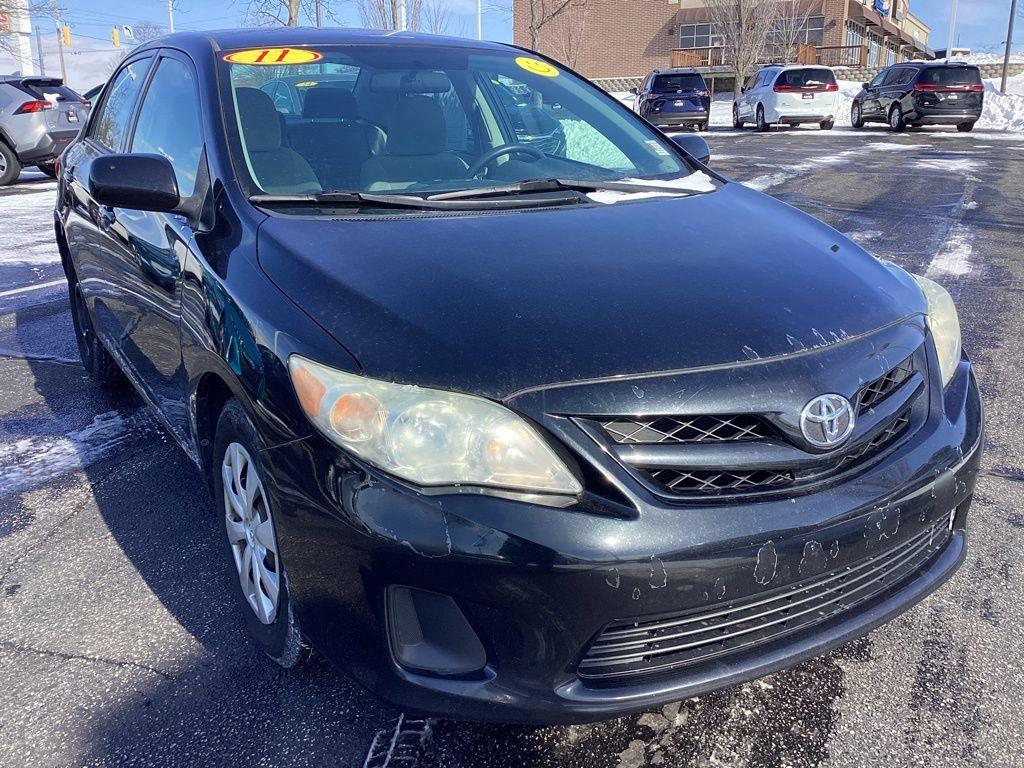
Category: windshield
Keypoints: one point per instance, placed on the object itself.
(425, 119)
(678, 83)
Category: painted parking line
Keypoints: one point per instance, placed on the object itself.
(33, 287)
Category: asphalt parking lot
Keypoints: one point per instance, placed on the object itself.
(120, 645)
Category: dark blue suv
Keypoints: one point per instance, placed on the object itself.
(674, 97)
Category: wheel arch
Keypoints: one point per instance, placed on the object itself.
(209, 396)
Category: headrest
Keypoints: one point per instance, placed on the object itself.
(417, 127)
(261, 124)
(327, 102)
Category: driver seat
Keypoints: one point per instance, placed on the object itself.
(415, 149)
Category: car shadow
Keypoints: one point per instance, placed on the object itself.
(161, 608)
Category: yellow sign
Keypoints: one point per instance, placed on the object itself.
(274, 56)
(537, 67)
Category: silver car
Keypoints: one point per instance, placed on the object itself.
(39, 116)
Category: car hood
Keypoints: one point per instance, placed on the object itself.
(496, 303)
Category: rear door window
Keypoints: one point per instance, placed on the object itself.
(111, 125)
(678, 82)
(40, 89)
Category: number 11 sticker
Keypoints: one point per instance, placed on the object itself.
(274, 56)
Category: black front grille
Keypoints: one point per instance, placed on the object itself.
(641, 647)
(719, 480)
(685, 429)
(892, 430)
(883, 386)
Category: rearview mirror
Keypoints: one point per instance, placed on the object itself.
(138, 182)
(693, 145)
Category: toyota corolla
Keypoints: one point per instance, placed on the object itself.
(509, 430)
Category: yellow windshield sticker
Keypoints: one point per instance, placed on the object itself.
(307, 84)
(274, 56)
(536, 67)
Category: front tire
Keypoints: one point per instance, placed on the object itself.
(98, 363)
(737, 123)
(826, 125)
(10, 168)
(762, 125)
(701, 127)
(50, 169)
(856, 116)
(897, 123)
(965, 127)
(244, 504)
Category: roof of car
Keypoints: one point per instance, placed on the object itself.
(228, 39)
(782, 67)
(676, 71)
(933, 64)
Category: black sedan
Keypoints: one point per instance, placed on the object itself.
(510, 434)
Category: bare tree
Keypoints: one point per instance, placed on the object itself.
(277, 13)
(572, 32)
(383, 14)
(542, 13)
(743, 27)
(435, 17)
(12, 11)
(788, 28)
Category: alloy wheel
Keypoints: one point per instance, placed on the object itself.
(3, 164)
(250, 530)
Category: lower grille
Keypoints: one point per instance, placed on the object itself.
(629, 649)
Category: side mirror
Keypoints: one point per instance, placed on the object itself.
(138, 182)
(865, 86)
(635, 91)
(693, 145)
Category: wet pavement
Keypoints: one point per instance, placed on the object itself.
(119, 643)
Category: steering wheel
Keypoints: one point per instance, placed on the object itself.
(505, 149)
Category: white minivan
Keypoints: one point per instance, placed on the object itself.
(790, 94)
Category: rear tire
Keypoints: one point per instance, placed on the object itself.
(965, 127)
(97, 362)
(762, 126)
(737, 123)
(856, 116)
(701, 127)
(246, 506)
(10, 168)
(826, 125)
(897, 124)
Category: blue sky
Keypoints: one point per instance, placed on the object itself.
(981, 24)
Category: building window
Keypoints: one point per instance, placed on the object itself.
(874, 50)
(810, 32)
(854, 34)
(697, 36)
(890, 54)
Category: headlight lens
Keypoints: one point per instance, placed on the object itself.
(944, 325)
(427, 436)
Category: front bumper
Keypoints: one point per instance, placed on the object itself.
(538, 584)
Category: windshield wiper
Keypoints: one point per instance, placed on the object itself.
(371, 200)
(531, 186)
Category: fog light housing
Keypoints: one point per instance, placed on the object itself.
(429, 634)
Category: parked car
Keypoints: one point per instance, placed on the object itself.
(674, 97)
(917, 93)
(790, 94)
(39, 116)
(509, 435)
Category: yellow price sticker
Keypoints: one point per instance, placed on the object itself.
(536, 67)
(274, 56)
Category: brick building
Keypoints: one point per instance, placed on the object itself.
(625, 38)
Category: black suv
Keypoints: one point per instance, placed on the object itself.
(921, 93)
(674, 97)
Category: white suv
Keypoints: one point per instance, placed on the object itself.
(790, 94)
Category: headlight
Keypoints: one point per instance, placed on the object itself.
(944, 325)
(427, 436)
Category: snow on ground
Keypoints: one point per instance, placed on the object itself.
(27, 237)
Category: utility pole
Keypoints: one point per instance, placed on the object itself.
(479, 19)
(170, 15)
(1009, 42)
(60, 43)
(400, 22)
(42, 60)
(319, 13)
(952, 29)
